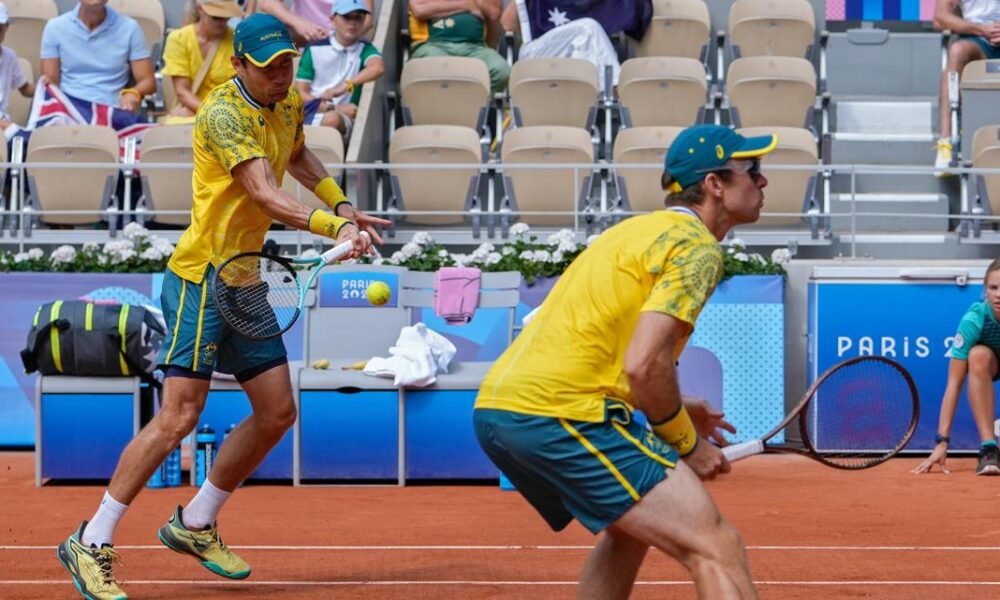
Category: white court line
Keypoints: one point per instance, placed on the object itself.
(249, 583)
(546, 548)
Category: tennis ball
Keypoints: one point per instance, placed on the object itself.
(378, 293)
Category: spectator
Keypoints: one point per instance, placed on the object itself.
(92, 51)
(457, 28)
(12, 77)
(196, 57)
(977, 23)
(308, 20)
(331, 75)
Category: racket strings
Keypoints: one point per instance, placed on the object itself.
(860, 415)
(258, 296)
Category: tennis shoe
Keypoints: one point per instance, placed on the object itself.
(944, 158)
(989, 460)
(91, 567)
(205, 545)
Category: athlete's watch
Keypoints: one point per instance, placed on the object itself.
(938, 438)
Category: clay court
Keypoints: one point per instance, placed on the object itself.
(812, 533)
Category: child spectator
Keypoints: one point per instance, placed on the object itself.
(12, 77)
(330, 75)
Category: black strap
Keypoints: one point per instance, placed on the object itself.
(29, 356)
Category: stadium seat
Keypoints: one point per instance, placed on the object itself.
(149, 15)
(554, 91)
(557, 189)
(772, 28)
(328, 144)
(986, 191)
(445, 90)
(661, 90)
(788, 191)
(639, 189)
(771, 91)
(453, 190)
(167, 189)
(678, 28)
(20, 107)
(25, 37)
(90, 189)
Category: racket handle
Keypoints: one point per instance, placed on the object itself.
(339, 251)
(743, 450)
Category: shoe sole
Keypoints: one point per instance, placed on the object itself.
(211, 566)
(990, 470)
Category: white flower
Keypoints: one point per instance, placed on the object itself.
(20, 257)
(557, 257)
(63, 254)
(507, 251)
(741, 256)
(411, 249)
(162, 244)
(378, 260)
(442, 253)
(123, 256)
(527, 255)
(593, 238)
(563, 235)
(92, 247)
(135, 232)
(566, 246)
(462, 260)
(35, 254)
(781, 256)
(493, 258)
(542, 256)
(737, 243)
(422, 238)
(151, 254)
(397, 257)
(519, 230)
(757, 258)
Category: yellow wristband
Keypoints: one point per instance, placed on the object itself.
(330, 193)
(132, 91)
(678, 431)
(325, 224)
(350, 85)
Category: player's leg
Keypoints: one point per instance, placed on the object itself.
(680, 518)
(612, 566)
(960, 53)
(983, 367)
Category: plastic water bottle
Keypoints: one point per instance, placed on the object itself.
(173, 468)
(204, 454)
(229, 430)
(159, 477)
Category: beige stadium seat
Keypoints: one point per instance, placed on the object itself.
(662, 90)
(20, 107)
(772, 28)
(771, 91)
(167, 188)
(452, 190)
(149, 15)
(639, 189)
(28, 19)
(553, 91)
(986, 155)
(678, 28)
(88, 189)
(788, 191)
(327, 144)
(547, 190)
(445, 90)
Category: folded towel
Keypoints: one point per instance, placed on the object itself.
(456, 293)
(416, 359)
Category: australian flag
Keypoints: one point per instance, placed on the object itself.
(630, 16)
(52, 106)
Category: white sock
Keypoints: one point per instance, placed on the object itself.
(203, 509)
(101, 527)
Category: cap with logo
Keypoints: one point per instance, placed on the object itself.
(705, 148)
(221, 8)
(260, 38)
(346, 7)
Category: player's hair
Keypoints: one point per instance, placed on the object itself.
(693, 194)
(994, 266)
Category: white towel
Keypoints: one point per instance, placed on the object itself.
(416, 359)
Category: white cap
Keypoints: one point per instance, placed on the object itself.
(4, 15)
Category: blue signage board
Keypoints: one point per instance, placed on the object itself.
(348, 289)
(911, 323)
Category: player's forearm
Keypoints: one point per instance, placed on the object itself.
(307, 169)
(654, 384)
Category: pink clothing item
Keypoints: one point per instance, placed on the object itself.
(314, 11)
(456, 293)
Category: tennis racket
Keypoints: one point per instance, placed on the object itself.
(261, 295)
(859, 413)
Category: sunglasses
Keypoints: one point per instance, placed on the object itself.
(750, 167)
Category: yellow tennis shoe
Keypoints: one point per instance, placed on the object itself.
(90, 567)
(205, 545)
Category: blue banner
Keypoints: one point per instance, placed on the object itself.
(349, 289)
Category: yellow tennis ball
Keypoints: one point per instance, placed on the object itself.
(378, 293)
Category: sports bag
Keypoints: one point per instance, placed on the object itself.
(74, 337)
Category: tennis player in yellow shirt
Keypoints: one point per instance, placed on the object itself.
(248, 134)
(555, 412)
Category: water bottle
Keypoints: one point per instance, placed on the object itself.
(229, 430)
(173, 468)
(204, 453)
(159, 477)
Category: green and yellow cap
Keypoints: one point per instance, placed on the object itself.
(261, 38)
(705, 148)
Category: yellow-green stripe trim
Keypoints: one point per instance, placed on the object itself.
(600, 456)
(89, 321)
(37, 314)
(54, 335)
(201, 317)
(628, 436)
(122, 322)
(177, 323)
(758, 152)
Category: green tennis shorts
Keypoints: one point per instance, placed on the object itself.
(198, 339)
(592, 472)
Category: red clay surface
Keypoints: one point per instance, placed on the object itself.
(812, 533)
